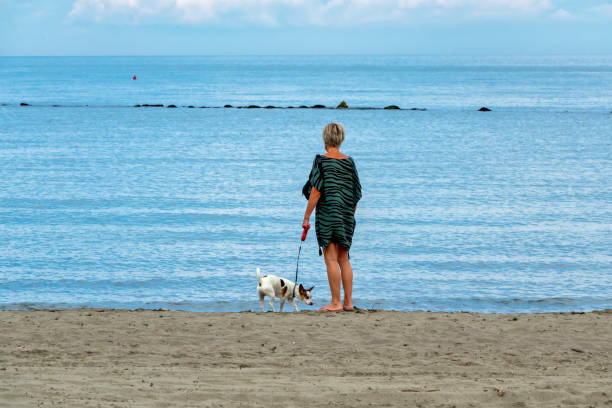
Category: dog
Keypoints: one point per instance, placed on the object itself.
(275, 287)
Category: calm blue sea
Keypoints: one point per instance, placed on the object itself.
(107, 205)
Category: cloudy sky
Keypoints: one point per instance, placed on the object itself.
(170, 27)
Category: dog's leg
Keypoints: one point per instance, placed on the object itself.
(282, 302)
(292, 301)
(261, 300)
(272, 303)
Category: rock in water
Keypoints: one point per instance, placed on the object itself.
(342, 105)
(24, 104)
(270, 107)
(228, 106)
(484, 109)
(318, 106)
(392, 107)
(303, 106)
(253, 107)
(172, 106)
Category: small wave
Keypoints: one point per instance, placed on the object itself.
(472, 305)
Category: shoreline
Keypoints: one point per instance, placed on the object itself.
(146, 358)
(301, 311)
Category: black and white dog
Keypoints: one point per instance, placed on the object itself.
(275, 287)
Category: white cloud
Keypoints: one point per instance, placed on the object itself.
(561, 14)
(305, 12)
(480, 8)
(604, 10)
(185, 10)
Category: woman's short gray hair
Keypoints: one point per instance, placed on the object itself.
(333, 134)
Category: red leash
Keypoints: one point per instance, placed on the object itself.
(297, 264)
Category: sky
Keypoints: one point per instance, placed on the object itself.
(289, 27)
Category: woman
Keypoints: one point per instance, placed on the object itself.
(335, 193)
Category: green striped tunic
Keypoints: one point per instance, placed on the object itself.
(340, 191)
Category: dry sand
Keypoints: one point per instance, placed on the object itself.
(112, 358)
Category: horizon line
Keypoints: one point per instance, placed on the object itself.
(306, 55)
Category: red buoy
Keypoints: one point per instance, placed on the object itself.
(134, 77)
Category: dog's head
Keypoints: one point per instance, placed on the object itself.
(305, 294)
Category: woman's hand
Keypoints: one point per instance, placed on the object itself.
(305, 223)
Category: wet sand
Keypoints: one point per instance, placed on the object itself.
(118, 358)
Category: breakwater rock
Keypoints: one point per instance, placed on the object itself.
(341, 105)
(484, 109)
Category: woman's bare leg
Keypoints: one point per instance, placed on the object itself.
(333, 276)
(347, 277)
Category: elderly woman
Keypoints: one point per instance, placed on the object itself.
(335, 193)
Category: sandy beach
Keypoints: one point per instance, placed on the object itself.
(119, 358)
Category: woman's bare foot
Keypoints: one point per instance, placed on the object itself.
(332, 307)
(347, 306)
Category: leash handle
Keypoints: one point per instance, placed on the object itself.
(305, 232)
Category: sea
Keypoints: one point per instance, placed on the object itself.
(108, 205)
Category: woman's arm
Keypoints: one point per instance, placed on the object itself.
(312, 203)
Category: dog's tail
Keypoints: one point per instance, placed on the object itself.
(258, 277)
